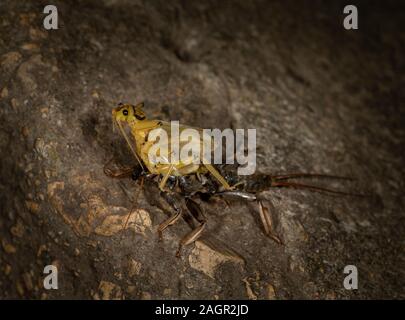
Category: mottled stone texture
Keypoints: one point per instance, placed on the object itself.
(323, 99)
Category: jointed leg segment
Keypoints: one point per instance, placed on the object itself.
(196, 211)
(172, 220)
(268, 222)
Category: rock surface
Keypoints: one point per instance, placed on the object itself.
(323, 99)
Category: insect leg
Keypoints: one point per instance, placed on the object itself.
(118, 173)
(267, 221)
(165, 177)
(218, 176)
(264, 212)
(193, 235)
(174, 218)
(168, 222)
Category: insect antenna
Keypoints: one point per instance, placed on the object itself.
(129, 144)
(135, 200)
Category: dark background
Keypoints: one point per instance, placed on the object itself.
(322, 98)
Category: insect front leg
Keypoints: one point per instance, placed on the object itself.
(196, 211)
(113, 170)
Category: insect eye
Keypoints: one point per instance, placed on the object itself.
(125, 112)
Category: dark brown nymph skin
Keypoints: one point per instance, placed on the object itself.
(182, 194)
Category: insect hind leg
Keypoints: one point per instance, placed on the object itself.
(264, 212)
(267, 221)
(168, 222)
(197, 213)
(173, 203)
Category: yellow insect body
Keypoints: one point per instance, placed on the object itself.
(140, 127)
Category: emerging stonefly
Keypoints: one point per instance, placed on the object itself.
(183, 182)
